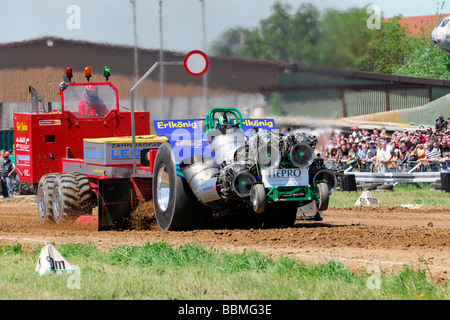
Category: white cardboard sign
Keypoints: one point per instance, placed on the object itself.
(51, 261)
(366, 199)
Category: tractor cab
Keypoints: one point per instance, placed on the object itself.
(89, 99)
(92, 100)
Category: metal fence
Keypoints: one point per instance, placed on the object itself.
(397, 177)
(396, 166)
(425, 171)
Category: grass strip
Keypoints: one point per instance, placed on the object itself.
(419, 194)
(160, 271)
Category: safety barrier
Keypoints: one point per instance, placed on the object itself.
(397, 177)
(405, 172)
(395, 166)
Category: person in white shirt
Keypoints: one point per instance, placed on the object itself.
(356, 133)
(383, 157)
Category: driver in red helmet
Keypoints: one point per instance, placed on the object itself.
(91, 105)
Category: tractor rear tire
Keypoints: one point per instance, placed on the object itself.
(85, 195)
(44, 198)
(176, 207)
(70, 197)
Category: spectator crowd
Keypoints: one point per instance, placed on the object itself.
(377, 150)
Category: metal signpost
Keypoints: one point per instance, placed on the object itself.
(196, 63)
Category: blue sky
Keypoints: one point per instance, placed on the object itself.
(111, 21)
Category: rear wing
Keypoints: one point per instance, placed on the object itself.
(188, 138)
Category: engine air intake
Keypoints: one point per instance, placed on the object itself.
(302, 155)
(242, 184)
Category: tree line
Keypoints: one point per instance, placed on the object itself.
(338, 39)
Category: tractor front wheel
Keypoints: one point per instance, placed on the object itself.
(258, 198)
(324, 194)
(44, 198)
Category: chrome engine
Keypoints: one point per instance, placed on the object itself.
(238, 162)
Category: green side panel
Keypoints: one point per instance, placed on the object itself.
(6, 139)
(313, 103)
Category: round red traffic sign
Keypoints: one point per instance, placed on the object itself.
(196, 63)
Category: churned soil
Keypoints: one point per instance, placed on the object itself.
(388, 237)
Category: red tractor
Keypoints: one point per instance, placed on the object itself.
(80, 155)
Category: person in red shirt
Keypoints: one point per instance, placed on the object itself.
(91, 105)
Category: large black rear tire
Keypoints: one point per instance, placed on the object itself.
(176, 207)
(71, 197)
(85, 194)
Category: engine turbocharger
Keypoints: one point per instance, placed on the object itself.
(236, 179)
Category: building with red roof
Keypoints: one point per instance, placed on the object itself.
(417, 23)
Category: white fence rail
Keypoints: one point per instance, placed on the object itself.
(397, 177)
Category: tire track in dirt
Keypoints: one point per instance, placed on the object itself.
(389, 237)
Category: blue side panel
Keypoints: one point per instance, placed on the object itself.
(187, 138)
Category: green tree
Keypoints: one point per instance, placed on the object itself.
(339, 39)
(389, 47)
(334, 39)
(232, 42)
(344, 39)
(275, 103)
(304, 34)
(426, 61)
(271, 42)
(282, 37)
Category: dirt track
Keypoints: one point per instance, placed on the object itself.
(388, 237)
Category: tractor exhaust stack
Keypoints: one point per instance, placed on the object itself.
(34, 100)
